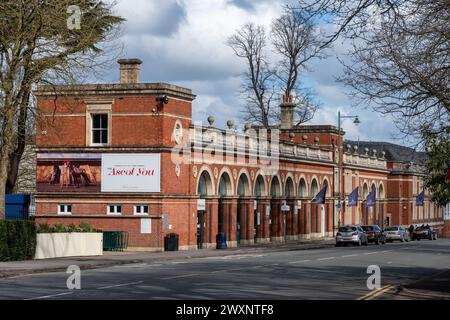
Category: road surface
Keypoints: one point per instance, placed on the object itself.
(331, 273)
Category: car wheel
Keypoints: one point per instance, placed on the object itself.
(418, 239)
(338, 244)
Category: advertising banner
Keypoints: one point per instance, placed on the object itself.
(95, 173)
(131, 172)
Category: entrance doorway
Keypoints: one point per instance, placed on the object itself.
(201, 225)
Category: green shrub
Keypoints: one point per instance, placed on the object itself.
(58, 228)
(71, 228)
(44, 228)
(17, 240)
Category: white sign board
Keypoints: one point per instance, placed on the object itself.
(131, 173)
(285, 208)
(201, 205)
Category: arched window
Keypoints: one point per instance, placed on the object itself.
(381, 192)
(275, 190)
(302, 192)
(204, 184)
(225, 185)
(260, 189)
(289, 188)
(314, 188)
(243, 186)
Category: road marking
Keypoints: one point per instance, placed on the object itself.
(301, 261)
(51, 296)
(369, 253)
(323, 259)
(183, 276)
(386, 251)
(350, 255)
(376, 293)
(120, 285)
(390, 262)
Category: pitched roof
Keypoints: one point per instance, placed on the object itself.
(394, 152)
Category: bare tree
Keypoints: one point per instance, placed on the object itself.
(403, 68)
(249, 43)
(295, 41)
(349, 18)
(399, 60)
(39, 43)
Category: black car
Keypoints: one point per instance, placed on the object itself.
(424, 232)
(374, 234)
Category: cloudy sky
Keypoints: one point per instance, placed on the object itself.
(183, 42)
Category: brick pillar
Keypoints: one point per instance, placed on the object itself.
(276, 219)
(247, 219)
(291, 219)
(230, 206)
(264, 227)
(212, 219)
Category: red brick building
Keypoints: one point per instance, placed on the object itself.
(128, 157)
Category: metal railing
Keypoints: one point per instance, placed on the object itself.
(115, 240)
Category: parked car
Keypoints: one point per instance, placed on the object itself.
(374, 234)
(351, 234)
(424, 232)
(396, 233)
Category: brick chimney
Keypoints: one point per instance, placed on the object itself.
(130, 71)
(287, 113)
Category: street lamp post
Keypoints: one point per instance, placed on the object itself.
(356, 122)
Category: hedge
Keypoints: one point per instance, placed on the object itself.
(17, 240)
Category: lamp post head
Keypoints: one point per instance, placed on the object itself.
(357, 121)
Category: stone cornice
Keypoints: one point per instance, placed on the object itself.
(109, 90)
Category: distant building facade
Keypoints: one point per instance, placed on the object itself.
(128, 157)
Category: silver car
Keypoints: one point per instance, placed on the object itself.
(351, 234)
(396, 233)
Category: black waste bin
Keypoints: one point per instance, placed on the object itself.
(221, 240)
(171, 242)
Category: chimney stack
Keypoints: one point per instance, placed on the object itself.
(287, 113)
(130, 71)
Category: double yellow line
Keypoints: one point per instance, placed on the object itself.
(376, 293)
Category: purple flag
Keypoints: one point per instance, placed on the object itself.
(371, 198)
(353, 198)
(320, 197)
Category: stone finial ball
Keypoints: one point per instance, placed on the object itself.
(230, 124)
(211, 120)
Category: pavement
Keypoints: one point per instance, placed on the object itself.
(12, 269)
(414, 270)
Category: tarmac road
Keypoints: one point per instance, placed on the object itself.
(329, 273)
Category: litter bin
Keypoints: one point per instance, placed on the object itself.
(221, 240)
(171, 242)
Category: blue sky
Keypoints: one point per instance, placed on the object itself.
(183, 42)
